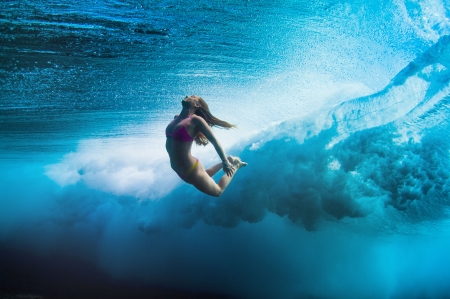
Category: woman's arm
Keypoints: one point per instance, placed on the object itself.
(204, 128)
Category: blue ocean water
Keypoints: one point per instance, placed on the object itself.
(342, 110)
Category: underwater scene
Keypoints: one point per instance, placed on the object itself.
(342, 111)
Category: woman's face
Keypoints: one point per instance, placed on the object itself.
(190, 102)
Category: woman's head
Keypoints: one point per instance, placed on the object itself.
(191, 102)
(202, 110)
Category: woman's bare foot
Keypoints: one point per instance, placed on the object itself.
(232, 159)
(237, 162)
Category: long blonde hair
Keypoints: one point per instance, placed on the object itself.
(210, 119)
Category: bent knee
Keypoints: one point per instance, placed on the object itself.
(218, 193)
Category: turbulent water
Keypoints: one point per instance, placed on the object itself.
(343, 114)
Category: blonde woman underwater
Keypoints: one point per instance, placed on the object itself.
(194, 124)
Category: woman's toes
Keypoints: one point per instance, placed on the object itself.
(238, 162)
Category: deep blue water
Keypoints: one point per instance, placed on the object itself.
(342, 110)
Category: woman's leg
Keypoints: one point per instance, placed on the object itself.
(214, 169)
(207, 185)
(203, 182)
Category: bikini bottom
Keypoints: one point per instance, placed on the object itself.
(184, 175)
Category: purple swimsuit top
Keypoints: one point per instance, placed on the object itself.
(180, 134)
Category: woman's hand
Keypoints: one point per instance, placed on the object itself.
(228, 168)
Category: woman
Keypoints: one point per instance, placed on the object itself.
(193, 124)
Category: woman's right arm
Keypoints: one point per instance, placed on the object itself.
(209, 134)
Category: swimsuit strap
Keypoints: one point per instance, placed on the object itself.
(184, 125)
(190, 116)
(192, 168)
(184, 175)
(184, 121)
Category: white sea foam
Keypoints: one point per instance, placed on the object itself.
(121, 166)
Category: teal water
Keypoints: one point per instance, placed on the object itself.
(342, 112)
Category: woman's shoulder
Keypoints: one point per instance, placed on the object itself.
(199, 122)
(197, 119)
